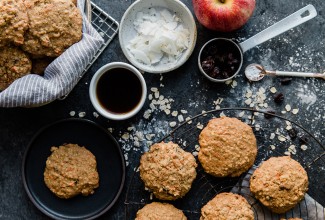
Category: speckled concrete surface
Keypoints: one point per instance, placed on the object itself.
(300, 49)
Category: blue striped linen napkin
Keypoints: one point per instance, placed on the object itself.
(307, 209)
(59, 77)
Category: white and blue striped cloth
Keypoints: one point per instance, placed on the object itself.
(59, 77)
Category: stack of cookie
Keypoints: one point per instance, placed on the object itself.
(228, 148)
(33, 33)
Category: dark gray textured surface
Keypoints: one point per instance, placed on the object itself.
(301, 49)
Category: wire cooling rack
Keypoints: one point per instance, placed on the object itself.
(275, 136)
(105, 25)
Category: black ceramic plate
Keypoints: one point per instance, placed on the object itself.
(110, 166)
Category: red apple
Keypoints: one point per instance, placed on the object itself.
(223, 15)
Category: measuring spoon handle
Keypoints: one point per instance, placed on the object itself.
(306, 13)
(296, 74)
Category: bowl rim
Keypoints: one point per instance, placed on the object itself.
(184, 57)
(220, 80)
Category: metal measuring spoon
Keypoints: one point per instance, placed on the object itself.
(255, 72)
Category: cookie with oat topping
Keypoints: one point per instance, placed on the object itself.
(280, 183)
(54, 25)
(14, 63)
(227, 147)
(167, 170)
(160, 211)
(227, 206)
(13, 22)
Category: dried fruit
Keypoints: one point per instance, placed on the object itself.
(268, 116)
(285, 81)
(279, 98)
(292, 133)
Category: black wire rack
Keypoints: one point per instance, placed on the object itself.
(275, 136)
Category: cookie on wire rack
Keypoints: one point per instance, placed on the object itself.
(227, 147)
(227, 206)
(280, 183)
(160, 211)
(167, 170)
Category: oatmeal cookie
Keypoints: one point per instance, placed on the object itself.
(227, 147)
(160, 211)
(167, 170)
(227, 206)
(14, 63)
(291, 219)
(280, 183)
(13, 22)
(71, 170)
(54, 26)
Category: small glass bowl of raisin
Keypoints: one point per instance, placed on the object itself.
(220, 59)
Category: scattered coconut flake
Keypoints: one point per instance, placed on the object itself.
(188, 119)
(72, 113)
(180, 118)
(248, 101)
(287, 153)
(273, 90)
(272, 147)
(183, 111)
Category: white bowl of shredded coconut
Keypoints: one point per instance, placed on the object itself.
(157, 36)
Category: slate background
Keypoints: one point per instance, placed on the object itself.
(18, 125)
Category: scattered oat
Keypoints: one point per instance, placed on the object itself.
(95, 114)
(110, 130)
(288, 108)
(234, 84)
(126, 136)
(167, 111)
(195, 153)
(188, 119)
(303, 147)
(287, 153)
(273, 90)
(147, 114)
(174, 113)
(172, 124)
(248, 101)
(82, 114)
(72, 113)
(180, 118)
(281, 138)
(241, 114)
(150, 97)
(199, 126)
(154, 89)
(283, 112)
(292, 149)
(183, 111)
(295, 111)
(272, 147)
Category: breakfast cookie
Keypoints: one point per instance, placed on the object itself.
(227, 147)
(13, 22)
(14, 63)
(71, 170)
(167, 170)
(280, 183)
(227, 206)
(160, 211)
(54, 25)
